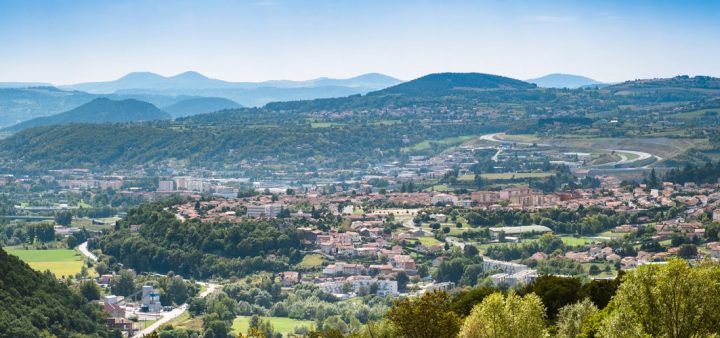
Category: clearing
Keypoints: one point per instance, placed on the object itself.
(61, 262)
(283, 325)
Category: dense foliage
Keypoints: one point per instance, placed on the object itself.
(34, 304)
(197, 249)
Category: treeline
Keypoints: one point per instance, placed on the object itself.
(708, 173)
(199, 249)
(34, 304)
(672, 300)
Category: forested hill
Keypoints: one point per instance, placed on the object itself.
(449, 83)
(34, 304)
(201, 249)
(100, 110)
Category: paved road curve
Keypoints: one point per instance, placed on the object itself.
(84, 250)
(168, 316)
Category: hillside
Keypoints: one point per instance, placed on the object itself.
(564, 81)
(445, 83)
(21, 104)
(34, 304)
(200, 106)
(683, 82)
(100, 110)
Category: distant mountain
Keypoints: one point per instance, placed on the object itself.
(564, 81)
(200, 105)
(100, 110)
(21, 104)
(244, 93)
(23, 84)
(443, 83)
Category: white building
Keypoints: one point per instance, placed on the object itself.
(506, 267)
(166, 186)
(267, 210)
(150, 300)
(716, 215)
(519, 278)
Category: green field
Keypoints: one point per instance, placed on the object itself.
(61, 262)
(575, 241)
(428, 241)
(280, 324)
(311, 261)
(425, 145)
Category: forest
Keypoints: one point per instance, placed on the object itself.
(199, 249)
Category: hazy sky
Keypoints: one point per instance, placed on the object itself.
(76, 40)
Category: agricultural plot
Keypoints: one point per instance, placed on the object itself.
(61, 262)
(283, 325)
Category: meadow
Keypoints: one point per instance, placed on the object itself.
(283, 325)
(61, 262)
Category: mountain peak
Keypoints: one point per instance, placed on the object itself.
(190, 75)
(560, 80)
(441, 83)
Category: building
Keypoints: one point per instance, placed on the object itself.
(267, 210)
(716, 215)
(519, 278)
(506, 267)
(403, 262)
(121, 324)
(166, 186)
(150, 300)
(443, 199)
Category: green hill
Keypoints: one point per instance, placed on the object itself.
(200, 105)
(34, 304)
(446, 83)
(100, 110)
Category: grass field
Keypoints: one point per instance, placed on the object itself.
(281, 324)
(311, 261)
(525, 138)
(424, 145)
(61, 262)
(428, 241)
(575, 241)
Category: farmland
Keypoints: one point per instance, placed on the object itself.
(61, 262)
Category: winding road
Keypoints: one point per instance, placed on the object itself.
(641, 156)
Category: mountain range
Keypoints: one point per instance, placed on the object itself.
(245, 93)
(570, 81)
(100, 110)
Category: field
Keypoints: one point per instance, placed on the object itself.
(428, 241)
(425, 145)
(281, 324)
(61, 262)
(575, 241)
(311, 261)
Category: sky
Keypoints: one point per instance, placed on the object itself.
(72, 41)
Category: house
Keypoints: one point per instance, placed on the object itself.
(716, 215)
(122, 324)
(289, 278)
(115, 310)
(443, 199)
(403, 262)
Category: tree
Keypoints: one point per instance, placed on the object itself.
(124, 283)
(428, 316)
(555, 292)
(687, 251)
(672, 300)
(511, 316)
(63, 218)
(572, 317)
(594, 269)
(470, 250)
(90, 290)
(177, 290)
(402, 280)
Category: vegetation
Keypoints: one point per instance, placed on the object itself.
(34, 304)
(200, 250)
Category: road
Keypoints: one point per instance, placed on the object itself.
(84, 250)
(165, 316)
(170, 315)
(641, 156)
